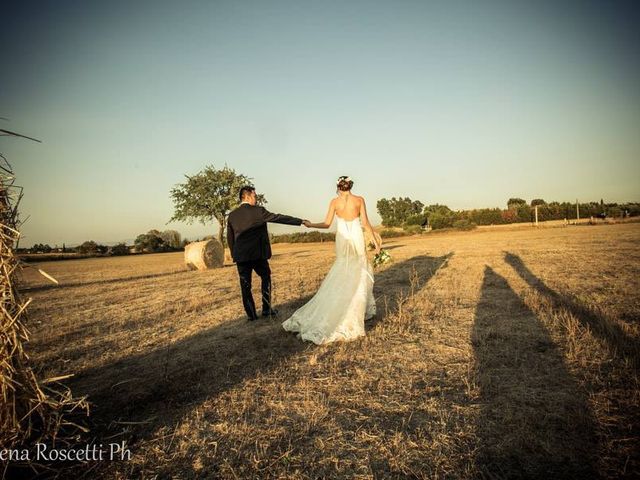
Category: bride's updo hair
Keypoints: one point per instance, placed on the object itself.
(344, 183)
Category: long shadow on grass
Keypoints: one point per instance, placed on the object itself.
(618, 341)
(534, 421)
(135, 396)
(159, 386)
(400, 279)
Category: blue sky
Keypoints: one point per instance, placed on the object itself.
(460, 103)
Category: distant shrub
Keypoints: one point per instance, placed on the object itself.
(416, 219)
(464, 225)
(441, 220)
(119, 249)
(89, 247)
(525, 213)
(151, 242)
(615, 212)
(509, 216)
(172, 239)
(41, 248)
(304, 237)
(413, 229)
(484, 216)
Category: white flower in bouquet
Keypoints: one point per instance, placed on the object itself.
(381, 258)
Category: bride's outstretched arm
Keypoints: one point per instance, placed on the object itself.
(328, 219)
(364, 220)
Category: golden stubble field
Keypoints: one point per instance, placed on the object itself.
(494, 354)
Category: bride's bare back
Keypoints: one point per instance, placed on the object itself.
(347, 206)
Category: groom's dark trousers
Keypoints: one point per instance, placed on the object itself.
(248, 241)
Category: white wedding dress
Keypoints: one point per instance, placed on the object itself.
(345, 299)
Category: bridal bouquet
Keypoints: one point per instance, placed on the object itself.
(381, 258)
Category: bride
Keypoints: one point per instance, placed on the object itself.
(345, 299)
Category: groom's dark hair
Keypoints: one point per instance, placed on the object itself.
(246, 190)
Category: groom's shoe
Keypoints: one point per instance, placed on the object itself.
(270, 313)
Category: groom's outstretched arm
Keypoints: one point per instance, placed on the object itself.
(278, 218)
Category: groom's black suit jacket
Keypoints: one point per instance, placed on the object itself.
(247, 233)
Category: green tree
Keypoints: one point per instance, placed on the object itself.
(537, 202)
(41, 248)
(88, 247)
(484, 216)
(515, 203)
(386, 212)
(119, 249)
(416, 220)
(397, 211)
(209, 195)
(524, 213)
(150, 242)
(171, 238)
(440, 216)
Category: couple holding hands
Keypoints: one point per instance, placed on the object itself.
(344, 300)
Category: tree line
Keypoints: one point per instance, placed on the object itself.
(404, 212)
(154, 241)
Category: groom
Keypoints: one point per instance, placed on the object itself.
(248, 241)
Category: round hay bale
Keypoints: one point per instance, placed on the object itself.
(204, 255)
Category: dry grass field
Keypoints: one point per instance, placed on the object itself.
(494, 354)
